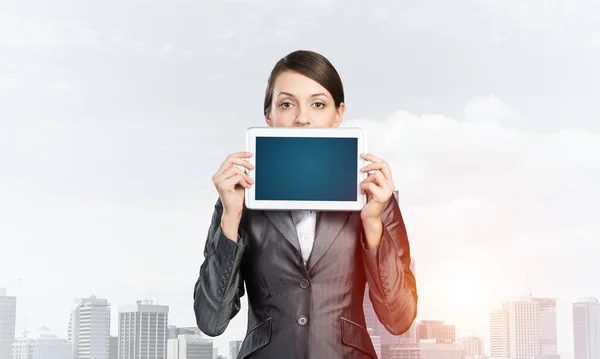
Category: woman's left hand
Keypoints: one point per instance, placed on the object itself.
(378, 186)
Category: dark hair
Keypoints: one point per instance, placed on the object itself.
(312, 65)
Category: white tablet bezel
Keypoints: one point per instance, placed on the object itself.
(338, 132)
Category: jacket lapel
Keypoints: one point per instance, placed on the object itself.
(329, 225)
(285, 224)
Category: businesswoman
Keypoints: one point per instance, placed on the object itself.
(305, 272)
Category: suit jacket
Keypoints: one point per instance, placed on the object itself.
(306, 311)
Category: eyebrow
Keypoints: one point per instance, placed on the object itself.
(313, 95)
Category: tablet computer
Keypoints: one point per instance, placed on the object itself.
(306, 168)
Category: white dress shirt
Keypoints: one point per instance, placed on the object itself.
(305, 222)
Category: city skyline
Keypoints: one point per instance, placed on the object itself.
(115, 116)
(422, 330)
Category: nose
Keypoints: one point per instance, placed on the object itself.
(303, 118)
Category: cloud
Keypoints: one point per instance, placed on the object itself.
(29, 32)
(481, 195)
(591, 41)
(541, 15)
(285, 4)
(491, 109)
(10, 81)
(441, 161)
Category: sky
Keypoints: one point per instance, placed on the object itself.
(114, 116)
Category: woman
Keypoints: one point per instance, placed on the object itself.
(305, 272)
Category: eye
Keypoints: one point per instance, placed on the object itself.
(286, 104)
(319, 104)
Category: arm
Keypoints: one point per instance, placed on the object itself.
(392, 285)
(220, 286)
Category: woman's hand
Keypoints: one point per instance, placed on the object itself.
(230, 182)
(379, 187)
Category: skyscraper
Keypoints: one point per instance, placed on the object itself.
(436, 330)
(548, 330)
(143, 331)
(114, 348)
(586, 328)
(8, 314)
(234, 348)
(472, 347)
(499, 335)
(89, 328)
(524, 329)
(190, 346)
(515, 330)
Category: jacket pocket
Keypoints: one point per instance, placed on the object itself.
(257, 337)
(354, 335)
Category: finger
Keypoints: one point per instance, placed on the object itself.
(233, 160)
(381, 180)
(369, 179)
(377, 177)
(234, 156)
(370, 157)
(231, 182)
(232, 171)
(243, 174)
(363, 189)
(382, 166)
(242, 154)
(374, 190)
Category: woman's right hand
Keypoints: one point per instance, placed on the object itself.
(230, 182)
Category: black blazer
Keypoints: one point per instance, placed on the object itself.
(305, 311)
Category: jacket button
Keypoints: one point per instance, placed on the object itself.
(302, 320)
(304, 283)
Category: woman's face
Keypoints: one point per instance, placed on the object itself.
(299, 101)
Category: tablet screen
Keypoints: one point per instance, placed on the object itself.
(306, 168)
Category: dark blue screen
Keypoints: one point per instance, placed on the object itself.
(306, 169)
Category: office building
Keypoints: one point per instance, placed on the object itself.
(143, 331)
(404, 351)
(472, 346)
(190, 346)
(234, 348)
(426, 349)
(89, 328)
(499, 335)
(41, 344)
(586, 328)
(434, 349)
(548, 328)
(515, 330)
(114, 348)
(436, 330)
(8, 315)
